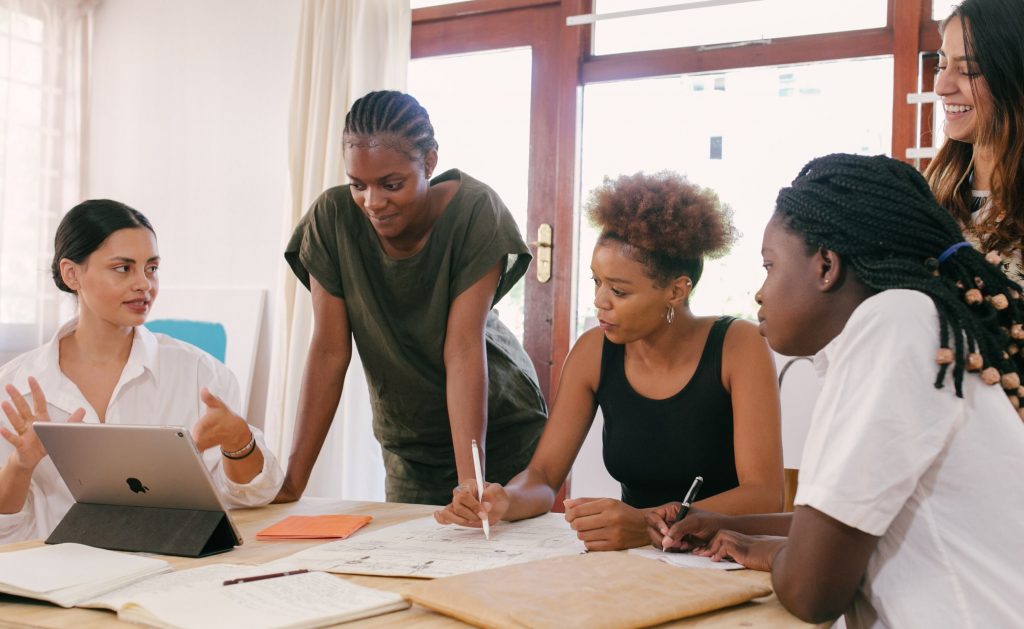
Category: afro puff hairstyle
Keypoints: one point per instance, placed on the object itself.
(665, 222)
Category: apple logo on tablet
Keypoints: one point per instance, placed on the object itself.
(136, 486)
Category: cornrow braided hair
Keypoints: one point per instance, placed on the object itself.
(879, 215)
(378, 115)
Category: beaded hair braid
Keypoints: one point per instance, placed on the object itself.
(879, 215)
(390, 113)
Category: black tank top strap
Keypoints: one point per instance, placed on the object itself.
(716, 341)
(612, 361)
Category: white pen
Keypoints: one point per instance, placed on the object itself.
(480, 489)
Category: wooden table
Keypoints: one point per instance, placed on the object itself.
(18, 612)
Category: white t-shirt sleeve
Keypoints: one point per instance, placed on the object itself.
(265, 485)
(879, 422)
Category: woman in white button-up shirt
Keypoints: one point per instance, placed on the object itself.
(104, 366)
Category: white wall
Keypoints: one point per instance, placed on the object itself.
(590, 478)
(189, 125)
(798, 392)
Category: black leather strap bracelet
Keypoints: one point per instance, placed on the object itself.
(242, 452)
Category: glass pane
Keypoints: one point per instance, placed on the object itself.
(19, 226)
(480, 106)
(743, 133)
(26, 61)
(25, 157)
(746, 21)
(24, 26)
(5, 55)
(24, 104)
(5, 90)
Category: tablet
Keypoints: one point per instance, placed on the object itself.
(133, 466)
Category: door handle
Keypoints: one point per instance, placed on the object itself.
(544, 245)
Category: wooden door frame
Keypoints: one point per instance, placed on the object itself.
(540, 24)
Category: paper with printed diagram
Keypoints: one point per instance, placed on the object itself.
(425, 549)
(684, 560)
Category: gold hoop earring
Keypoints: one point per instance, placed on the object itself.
(670, 315)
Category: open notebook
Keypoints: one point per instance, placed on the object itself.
(311, 599)
(69, 574)
(144, 590)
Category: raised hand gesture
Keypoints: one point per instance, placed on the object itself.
(219, 426)
(28, 450)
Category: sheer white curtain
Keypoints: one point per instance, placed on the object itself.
(44, 54)
(346, 48)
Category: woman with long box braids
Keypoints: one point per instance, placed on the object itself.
(909, 506)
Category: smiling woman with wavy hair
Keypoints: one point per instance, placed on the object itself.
(978, 174)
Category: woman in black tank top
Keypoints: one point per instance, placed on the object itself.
(681, 395)
(655, 448)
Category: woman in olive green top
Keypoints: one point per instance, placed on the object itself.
(410, 268)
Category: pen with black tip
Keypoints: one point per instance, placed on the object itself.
(684, 508)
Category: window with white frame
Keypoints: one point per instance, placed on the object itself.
(695, 125)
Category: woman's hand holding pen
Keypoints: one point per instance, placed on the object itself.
(464, 509)
(695, 530)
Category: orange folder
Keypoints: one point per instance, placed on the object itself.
(315, 527)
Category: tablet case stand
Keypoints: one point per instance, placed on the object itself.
(182, 532)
